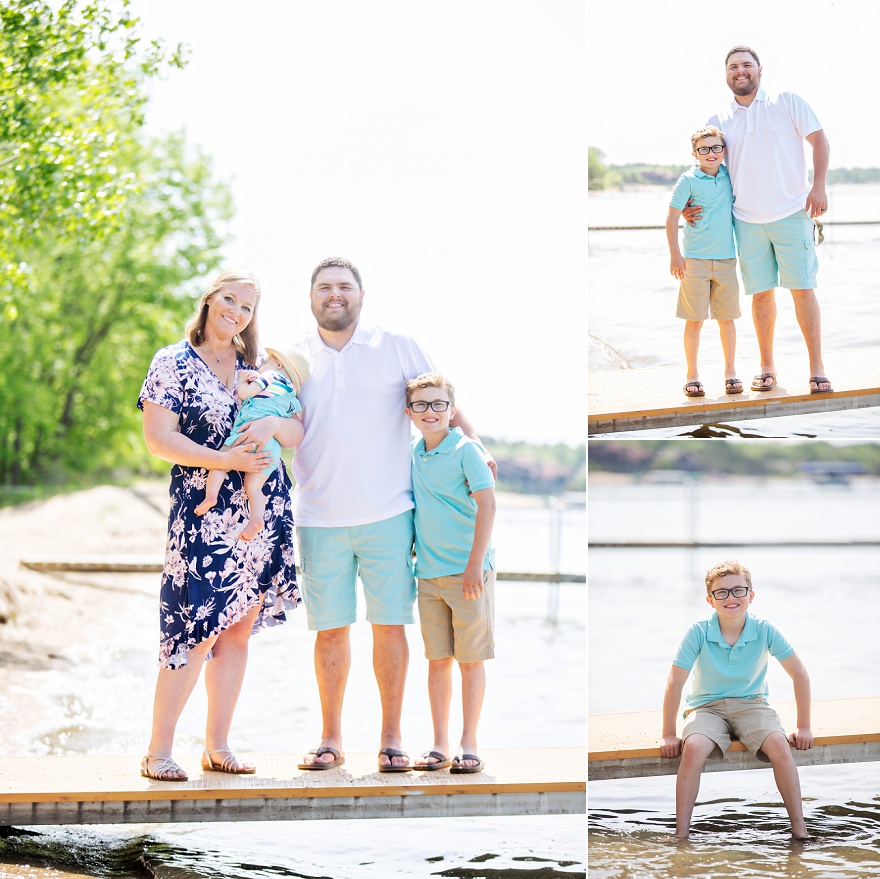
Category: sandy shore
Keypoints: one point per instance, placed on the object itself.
(46, 613)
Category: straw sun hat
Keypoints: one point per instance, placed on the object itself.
(295, 365)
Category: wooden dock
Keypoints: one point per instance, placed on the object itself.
(627, 745)
(639, 399)
(150, 565)
(110, 790)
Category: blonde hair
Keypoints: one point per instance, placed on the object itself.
(429, 380)
(725, 568)
(706, 131)
(246, 342)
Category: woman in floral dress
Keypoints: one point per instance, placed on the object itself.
(216, 589)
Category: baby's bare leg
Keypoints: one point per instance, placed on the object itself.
(253, 488)
(213, 484)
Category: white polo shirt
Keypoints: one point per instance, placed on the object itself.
(353, 466)
(765, 154)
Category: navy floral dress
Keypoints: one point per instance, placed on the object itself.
(211, 579)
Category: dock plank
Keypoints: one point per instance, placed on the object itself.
(639, 399)
(626, 745)
(84, 790)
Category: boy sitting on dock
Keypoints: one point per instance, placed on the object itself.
(707, 270)
(454, 493)
(271, 391)
(729, 653)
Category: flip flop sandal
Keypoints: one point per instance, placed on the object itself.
(695, 384)
(390, 753)
(730, 386)
(443, 762)
(458, 767)
(758, 382)
(338, 759)
(818, 379)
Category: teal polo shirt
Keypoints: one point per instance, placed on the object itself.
(445, 512)
(725, 672)
(712, 237)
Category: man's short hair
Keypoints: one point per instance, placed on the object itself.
(722, 570)
(429, 380)
(338, 262)
(748, 49)
(706, 131)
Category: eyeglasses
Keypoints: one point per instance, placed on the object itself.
(715, 148)
(434, 405)
(736, 592)
(818, 232)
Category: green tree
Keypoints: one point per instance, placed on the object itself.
(600, 175)
(102, 233)
(68, 75)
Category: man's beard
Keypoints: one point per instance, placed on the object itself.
(337, 320)
(744, 88)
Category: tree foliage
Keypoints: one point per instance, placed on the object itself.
(102, 230)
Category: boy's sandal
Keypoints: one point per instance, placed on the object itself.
(819, 380)
(698, 392)
(230, 763)
(758, 381)
(165, 764)
(441, 761)
(733, 386)
(458, 767)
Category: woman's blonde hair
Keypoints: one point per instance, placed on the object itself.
(247, 342)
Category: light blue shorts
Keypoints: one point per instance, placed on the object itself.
(778, 254)
(331, 559)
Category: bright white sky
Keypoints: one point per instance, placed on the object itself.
(656, 71)
(440, 146)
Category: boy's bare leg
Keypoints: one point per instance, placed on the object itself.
(727, 330)
(778, 751)
(440, 697)
(764, 318)
(695, 750)
(473, 689)
(692, 347)
(253, 488)
(213, 484)
(809, 318)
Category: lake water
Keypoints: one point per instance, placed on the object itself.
(827, 603)
(100, 703)
(632, 297)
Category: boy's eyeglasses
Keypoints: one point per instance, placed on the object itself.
(716, 148)
(434, 405)
(736, 592)
(818, 232)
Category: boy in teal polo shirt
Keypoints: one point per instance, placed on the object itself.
(707, 270)
(454, 494)
(729, 653)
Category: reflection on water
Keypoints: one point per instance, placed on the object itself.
(826, 600)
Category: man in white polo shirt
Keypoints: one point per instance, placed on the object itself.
(353, 501)
(774, 205)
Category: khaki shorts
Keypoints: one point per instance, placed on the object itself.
(453, 625)
(748, 720)
(709, 289)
